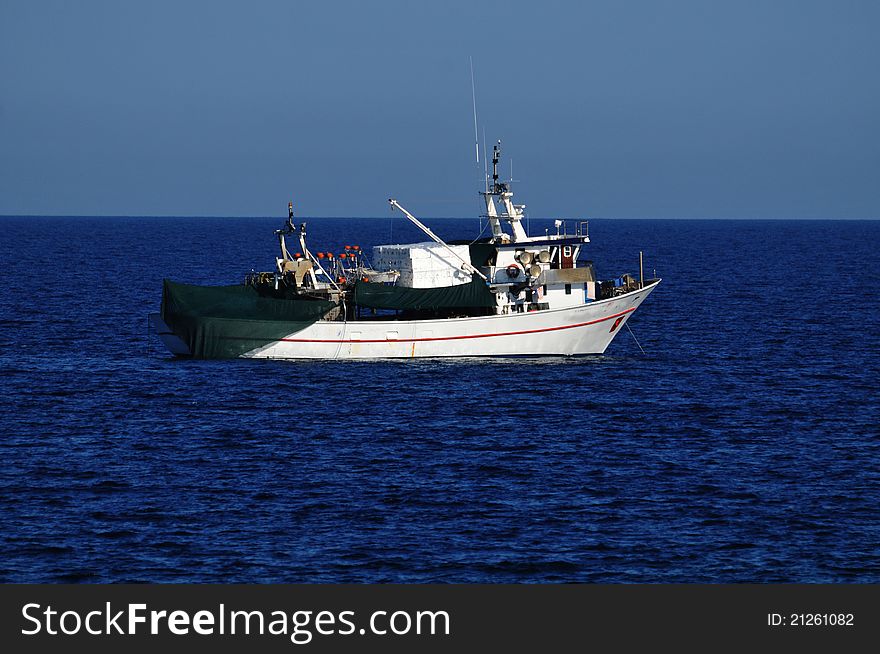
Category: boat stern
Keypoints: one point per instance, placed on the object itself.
(171, 341)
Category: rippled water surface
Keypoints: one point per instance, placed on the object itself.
(744, 446)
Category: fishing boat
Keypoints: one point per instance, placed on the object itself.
(507, 294)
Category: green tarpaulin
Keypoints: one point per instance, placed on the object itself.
(474, 294)
(227, 321)
(483, 254)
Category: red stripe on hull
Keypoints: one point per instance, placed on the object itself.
(453, 338)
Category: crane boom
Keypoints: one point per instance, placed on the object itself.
(418, 223)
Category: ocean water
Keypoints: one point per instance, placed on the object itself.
(743, 446)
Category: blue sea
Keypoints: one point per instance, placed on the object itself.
(742, 446)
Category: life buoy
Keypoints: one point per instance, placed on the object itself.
(513, 270)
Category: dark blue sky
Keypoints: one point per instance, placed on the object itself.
(609, 109)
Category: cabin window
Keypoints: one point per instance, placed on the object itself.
(568, 289)
(567, 258)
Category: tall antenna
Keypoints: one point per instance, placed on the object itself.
(485, 162)
(474, 98)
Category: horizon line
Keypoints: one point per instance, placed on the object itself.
(175, 216)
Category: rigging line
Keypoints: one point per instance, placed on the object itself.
(481, 232)
(634, 337)
(344, 327)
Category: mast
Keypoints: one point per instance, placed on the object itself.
(512, 213)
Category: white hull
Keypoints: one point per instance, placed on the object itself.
(578, 330)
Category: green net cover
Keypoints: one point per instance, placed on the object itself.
(474, 294)
(218, 322)
(483, 254)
